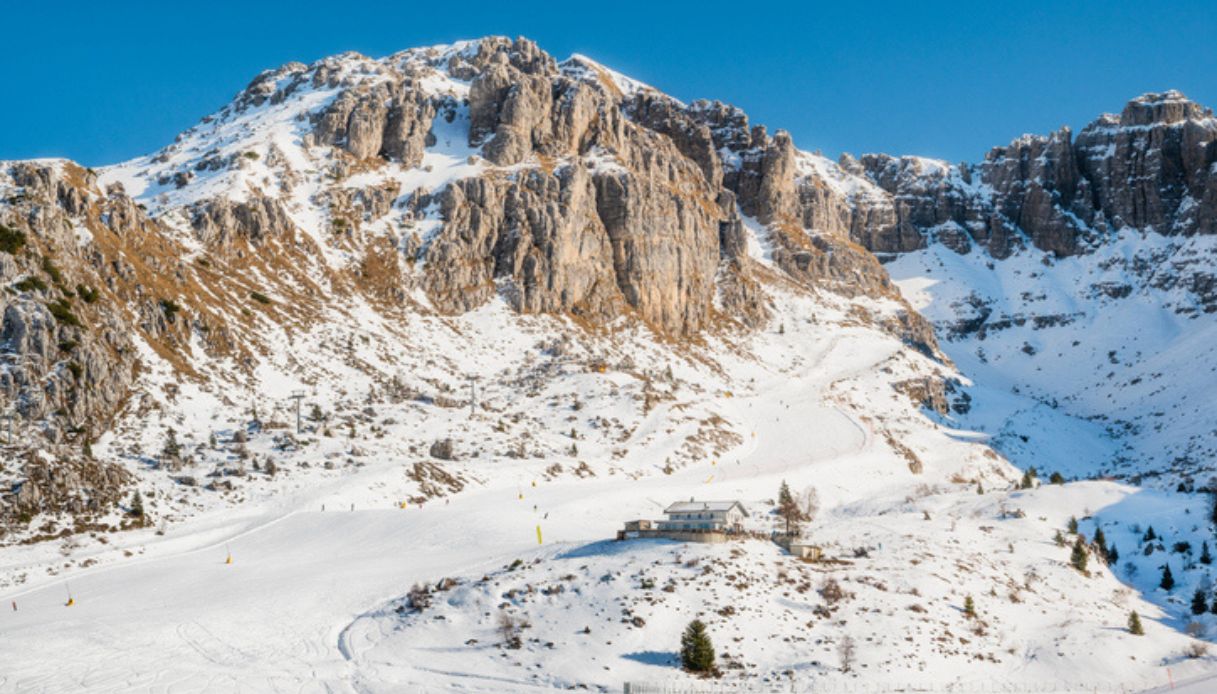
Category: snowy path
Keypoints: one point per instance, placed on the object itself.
(179, 618)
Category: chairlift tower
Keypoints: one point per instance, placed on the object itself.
(297, 395)
(472, 394)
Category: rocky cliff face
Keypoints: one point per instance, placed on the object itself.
(1149, 168)
(438, 180)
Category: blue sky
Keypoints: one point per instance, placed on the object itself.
(103, 82)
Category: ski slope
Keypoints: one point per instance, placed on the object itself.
(176, 616)
(304, 606)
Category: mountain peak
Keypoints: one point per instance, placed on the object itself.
(1163, 108)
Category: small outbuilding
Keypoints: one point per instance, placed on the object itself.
(805, 551)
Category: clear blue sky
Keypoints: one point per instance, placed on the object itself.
(104, 81)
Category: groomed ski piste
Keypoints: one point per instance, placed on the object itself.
(315, 600)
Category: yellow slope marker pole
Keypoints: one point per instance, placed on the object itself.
(71, 600)
(709, 479)
(538, 534)
(228, 549)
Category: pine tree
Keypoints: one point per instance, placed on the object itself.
(1205, 556)
(1113, 555)
(1100, 544)
(1079, 557)
(1168, 581)
(1059, 539)
(1149, 535)
(1099, 538)
(137, 505)
(172, 450)
(785, 498)
(1213, 508)
(788, 508)
(980, 488)
(1200, 604)
(1073, 525)
(696, 651)
(1027, 482)
(969, 607)
(1056, 478)
(1134, 624)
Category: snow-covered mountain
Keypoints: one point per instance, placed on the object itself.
(514, 301)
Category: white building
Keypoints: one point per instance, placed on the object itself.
(691, 515)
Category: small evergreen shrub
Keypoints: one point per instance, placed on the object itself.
(1134, 624)
(31, 283)
(62, 311)
(169, 308)
(11, 240)
(53, 272)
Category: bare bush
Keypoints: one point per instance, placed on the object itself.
(831, 591)
(419, 597)
(809, 503)
(509, 628)
(846, 651)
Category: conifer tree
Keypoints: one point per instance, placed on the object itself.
(1099, 538)
(1079, 557)
(1056, 478)
(1205, 556)
(1149, 535)
(172, 449)
(137, 505)
(1059, 539)
(1073, 525)
(788, 508)
(969, 607)
(1168, 581)
(1134, 624)
(1200, 604)
(696, 651)
(980, 488)
(1113, 555)
(1027, 482)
